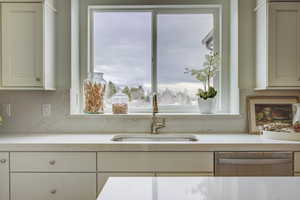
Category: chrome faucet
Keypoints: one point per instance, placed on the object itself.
(157, 123)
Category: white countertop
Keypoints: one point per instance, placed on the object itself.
(102, 142)
(201, 188)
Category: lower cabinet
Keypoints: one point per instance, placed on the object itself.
(138, 164)
(184, 174)
(102, 177)
(4, 176)
(56, 186)
(82, 175)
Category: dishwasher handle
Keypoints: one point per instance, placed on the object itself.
(253, 161)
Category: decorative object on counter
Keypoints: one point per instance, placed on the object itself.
(277, 126)
(120, 103)
(207, 94)
(296, 119)
(270, 113)
(93, 91)
(282, 135)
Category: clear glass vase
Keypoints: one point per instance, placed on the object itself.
(120, 103)
(93, 93)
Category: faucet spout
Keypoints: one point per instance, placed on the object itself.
(157, 123)
(154, 104)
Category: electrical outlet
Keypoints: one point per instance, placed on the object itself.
(77, 99)
(7, 110)
(46, 110)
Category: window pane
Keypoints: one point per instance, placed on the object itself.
(179, 45)
(122, 51)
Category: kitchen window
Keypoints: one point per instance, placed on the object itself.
(145, 49)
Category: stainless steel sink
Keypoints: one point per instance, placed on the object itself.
(154, 138)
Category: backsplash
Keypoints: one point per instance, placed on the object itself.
(26, 117)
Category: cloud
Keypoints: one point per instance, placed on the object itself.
(123, 47)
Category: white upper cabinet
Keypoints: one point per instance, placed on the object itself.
(22, 42)
(278, 45)
(19, 1)
(28, 46)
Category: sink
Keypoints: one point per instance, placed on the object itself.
(154, 138)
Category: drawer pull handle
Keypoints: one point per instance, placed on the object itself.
(52, 162)
(3, 161)
(53, 191)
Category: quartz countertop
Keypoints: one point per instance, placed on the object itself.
(102, 142)
(201, 188)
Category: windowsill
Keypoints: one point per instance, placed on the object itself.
(149, 115)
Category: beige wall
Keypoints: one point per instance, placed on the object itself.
(26, 106)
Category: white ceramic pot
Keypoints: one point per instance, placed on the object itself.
(207, 106)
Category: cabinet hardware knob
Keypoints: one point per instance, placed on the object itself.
(52, 162)
(53, 191)
(3, 161)
(37, 79)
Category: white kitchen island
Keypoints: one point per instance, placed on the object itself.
(201, 188)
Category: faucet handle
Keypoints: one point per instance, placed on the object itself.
(161, 122)
(154, 103)
(164, 122)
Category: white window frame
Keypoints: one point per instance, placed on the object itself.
(215, 9)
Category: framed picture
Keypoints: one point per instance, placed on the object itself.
(263, 110)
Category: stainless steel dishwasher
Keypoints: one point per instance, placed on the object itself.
(253, 164)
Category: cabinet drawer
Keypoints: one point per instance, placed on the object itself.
(155, 161)
(56, 186)
(53, 162)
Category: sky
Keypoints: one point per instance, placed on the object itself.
(122, 44)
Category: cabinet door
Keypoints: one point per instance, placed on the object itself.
(4, 176)
(184, 174)
(22, 44)
(102, 177)
(56, 186)
(284, 44)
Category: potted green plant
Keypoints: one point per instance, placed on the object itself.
(207, 94)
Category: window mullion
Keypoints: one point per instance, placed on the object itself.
(90, 47)
(154, 51)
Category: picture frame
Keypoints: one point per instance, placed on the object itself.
(269, 109)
